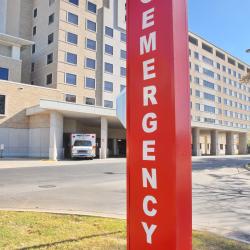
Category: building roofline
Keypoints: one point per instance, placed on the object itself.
(216, 46)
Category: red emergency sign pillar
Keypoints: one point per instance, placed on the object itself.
(158, 126)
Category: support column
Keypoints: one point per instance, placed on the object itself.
(196, 141)
(243, 143)
(56, 136)
(215, 150)
(230, 143)
(104, 138)
(115, 147)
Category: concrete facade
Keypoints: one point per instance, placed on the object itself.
(71, 58)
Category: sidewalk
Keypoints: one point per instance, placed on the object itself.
(8, 163)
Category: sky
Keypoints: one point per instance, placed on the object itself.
(225, 23)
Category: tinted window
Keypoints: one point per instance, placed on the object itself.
(123, 54)
(70, 98)
(90, 63)
(90, 101)
(72, 18)
(72, 38)
(49, 79)
(108, 104)
(2, 104)
(123, 37)
(91, 7)
(50, 38)
(91, 25)
(76, 2)
(4, 74)
(123, 71)
(70, 79)
(108, 49)
(109, 67)
(109, 31)
(90, 83)
(91, 44)
(108, 86)
(71, 58)
(51, 18)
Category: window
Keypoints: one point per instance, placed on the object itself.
(209, 97)
(34, 31)
(231, 61)
(220, 55)
(50, 58)
(32, 67)
(91, 44)
(197, 93)
(33, 48)
(91, 26)
(51, 2)
(196, 55)
(108, 68)
(90, 101)
(123, 54)
(72, 38)
(71, 58)
(207, 48)
(49, 79)
(122, 87)
(197, 106)
(70, 79)
(208, 72)
(72, 18)
(207, 60)
(123, 37)
(35, 13)
(90, 63)
(89, 83)
(108, 86)
(197, 80)
(51, 18)
(75, 2)
(240, 66)
(109, 31)
(218, 66)
(70, 98)
(197, 68)
(208, 84)
(2, 104)
(123, 71)
(193, 40)
(4, 74)
(209, 109)
(91, 7)
(108, 49)
(50, 38)
(108, 104)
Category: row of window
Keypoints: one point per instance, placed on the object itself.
(220, 122)
(227, 91)
(88, 101)
(218, 54)
(91, 26)
(217, 65)
(218, 111)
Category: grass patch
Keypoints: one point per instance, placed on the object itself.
(28, 230)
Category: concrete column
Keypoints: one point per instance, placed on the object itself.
(196, 141)
(243, 143)
(230, 143)
(16, 52)
(215, 150)
(115, 146)
(56, 136)
(104, 138)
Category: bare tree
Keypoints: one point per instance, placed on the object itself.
(246, 78)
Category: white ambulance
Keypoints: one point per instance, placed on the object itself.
(83, 146)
